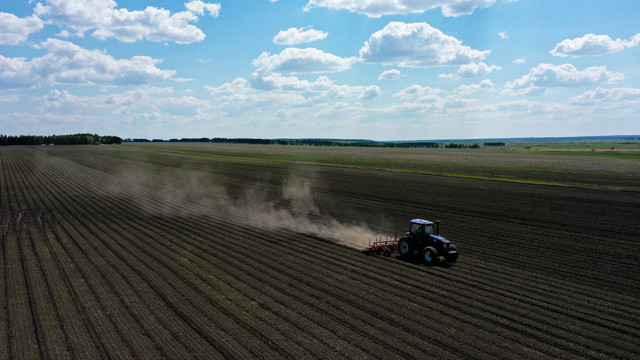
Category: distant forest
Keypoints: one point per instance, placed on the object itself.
(75, 139)
(308, 142)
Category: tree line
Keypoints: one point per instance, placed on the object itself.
(75, 139)
(306, 142)
(461, 146)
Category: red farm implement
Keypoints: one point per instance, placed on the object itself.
(382, 246)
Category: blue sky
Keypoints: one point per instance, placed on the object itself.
(376, 69)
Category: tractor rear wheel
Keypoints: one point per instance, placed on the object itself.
(431, 255)
(406, 246)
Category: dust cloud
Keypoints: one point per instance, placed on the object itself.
(190, 192)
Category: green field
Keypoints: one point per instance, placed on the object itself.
(254, 252)
(623, 150)
(605, 169)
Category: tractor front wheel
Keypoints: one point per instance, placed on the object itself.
(406, 246)
(431, 255)
(453, 254)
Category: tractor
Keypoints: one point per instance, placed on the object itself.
(424, 237)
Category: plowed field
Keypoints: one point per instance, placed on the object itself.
(113, 252)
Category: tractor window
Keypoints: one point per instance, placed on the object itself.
(416, 228)
(428, 229)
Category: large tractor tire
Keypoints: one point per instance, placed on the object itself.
(431, 255)
(406, 246)
(452, 257)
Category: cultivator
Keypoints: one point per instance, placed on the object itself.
(382, 246)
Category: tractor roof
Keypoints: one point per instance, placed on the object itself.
(421, 222)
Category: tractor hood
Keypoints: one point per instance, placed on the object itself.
(440, 238)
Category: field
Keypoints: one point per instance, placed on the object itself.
(236, 251)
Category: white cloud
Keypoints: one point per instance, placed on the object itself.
(527, 107)
(296, 61)
(377, 8)
(14, 30)
(503, 35)
(485, 84)
(67, 63)
(320, 90)
(288, 83)
(143, 100)
(520, 61)
(9, 98)
(472, 70)
(601, 95)
(198, 7)
(392, 74)
(61, 102)
(239, 97)
(264, 96)
(294, 36)
(589, 45)
(634, 42)
(417, 93)
(107, 21)
(547, 75)
(417, 45)
(479, 69)
(369, 93)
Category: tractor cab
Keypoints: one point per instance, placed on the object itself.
(423, 228)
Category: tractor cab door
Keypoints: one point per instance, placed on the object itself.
(417, 230)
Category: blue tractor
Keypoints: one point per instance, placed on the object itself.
(424, 237)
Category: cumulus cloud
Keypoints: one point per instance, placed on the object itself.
(62, 102)
(601, 95)
(238, 97)
(591, 45)
(417, 93)
(294, 36)
(527, 107)
(377, 8)
(9, 98)
(320, 90)
(417, 45)
(270, 82)
(369, 93)
(67, 63)
(265, 95)
(472, 70)
(392, 74)
(143, 100)
(520, 61)
(296, 61)
(108, 21)
(198, 7)
(485, 84)
(159, 101)
(566, 75)
(14, 30)
(634, 42)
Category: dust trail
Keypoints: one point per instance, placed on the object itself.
(293, 209)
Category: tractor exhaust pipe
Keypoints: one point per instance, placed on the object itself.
(438, 227)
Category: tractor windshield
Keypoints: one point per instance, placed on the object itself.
(420, 229)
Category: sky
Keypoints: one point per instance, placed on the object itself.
(357, 69)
